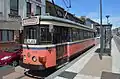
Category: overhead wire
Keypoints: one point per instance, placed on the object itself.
(67, 6)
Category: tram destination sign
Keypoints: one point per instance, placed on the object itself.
(30, 21)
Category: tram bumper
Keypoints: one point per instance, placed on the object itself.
(32, 67)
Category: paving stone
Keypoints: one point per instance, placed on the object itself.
(110, 75)
(68, 75)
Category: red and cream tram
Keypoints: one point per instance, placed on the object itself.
(48, 39)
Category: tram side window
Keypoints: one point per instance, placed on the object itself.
(78, 38)
(60, 34)
(93, 34)
(65, 34)
(45, 35)
(81, 35)
(88, 34)
(57, 35)
(84, 34)
(75, 34)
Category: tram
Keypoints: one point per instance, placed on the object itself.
(49, 39)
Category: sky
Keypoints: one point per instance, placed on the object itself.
(90, 9)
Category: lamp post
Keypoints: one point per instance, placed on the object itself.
(107, 16)
(101, 30)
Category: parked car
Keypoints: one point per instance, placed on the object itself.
(10, 56)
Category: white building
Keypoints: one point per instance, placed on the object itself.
(11, 13)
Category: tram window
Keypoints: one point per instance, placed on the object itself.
(45, 35)
(87, 34)
(75, 34)
(91, 35)
(81, 34)
(78, 34)
(84, 34)
(60, 34)
(30, 33)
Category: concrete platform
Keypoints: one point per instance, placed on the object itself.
(91, 66)
(96, 66)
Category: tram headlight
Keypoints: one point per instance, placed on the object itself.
(24, 57)
(34, 58)
(42, 60)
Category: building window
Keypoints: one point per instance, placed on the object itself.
(0, 35)
(4, 35)
(10, 35)
(7, 35)
(28, 9)
(14, 5)
(38, 10)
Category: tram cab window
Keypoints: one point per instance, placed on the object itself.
(30, 34)
(37, 34)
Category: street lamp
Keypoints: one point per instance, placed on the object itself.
(107, 16)
(101, 30)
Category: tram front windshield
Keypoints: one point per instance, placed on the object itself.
(30, 34)
(37, 34)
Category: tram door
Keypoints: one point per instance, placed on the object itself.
(59, 40)
(60, 51)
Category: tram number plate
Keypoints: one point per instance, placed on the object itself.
(30, 41)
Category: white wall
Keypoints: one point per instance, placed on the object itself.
(1, 9)
(22, 8)
(43, 9)
(5, 10)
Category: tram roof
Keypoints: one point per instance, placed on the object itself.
(52, 18)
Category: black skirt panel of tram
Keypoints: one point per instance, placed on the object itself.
(32, 67)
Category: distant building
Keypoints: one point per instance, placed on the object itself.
(92, 24)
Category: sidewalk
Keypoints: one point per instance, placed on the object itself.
(115, 58)
(91, 66)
